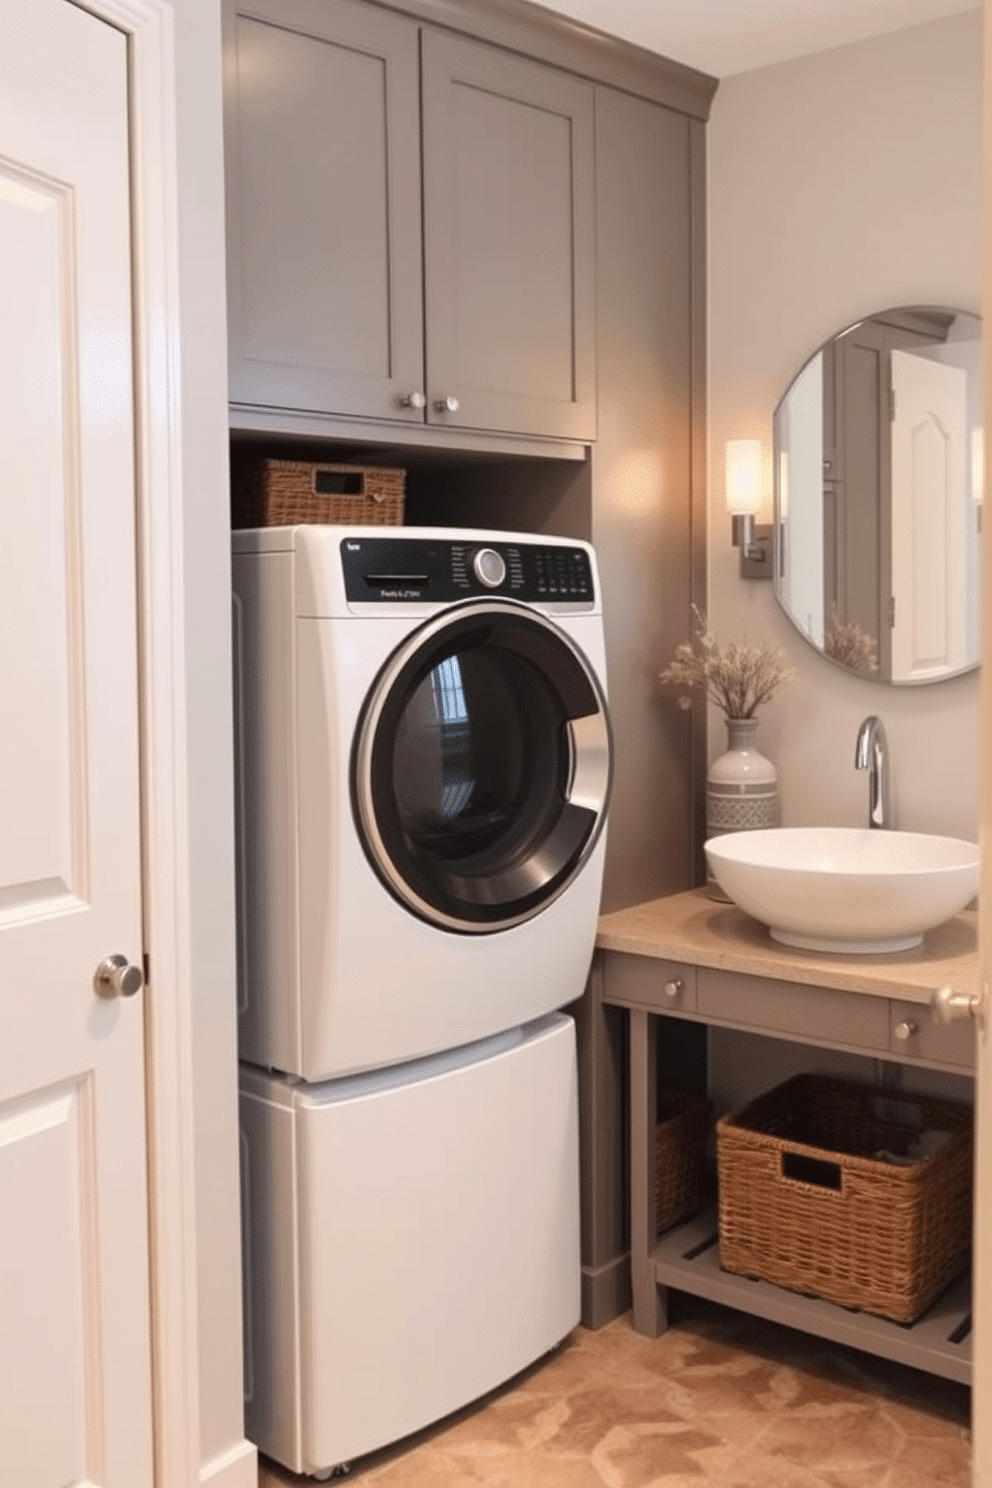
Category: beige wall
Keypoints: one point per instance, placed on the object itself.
(207, 599)
(840, 184)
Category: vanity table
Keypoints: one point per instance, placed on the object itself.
(692, 958)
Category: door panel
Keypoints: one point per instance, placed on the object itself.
(74, 1326)
(323, 166)
(509, 241)
(929, 538)
(43, 855)
(46, 1181)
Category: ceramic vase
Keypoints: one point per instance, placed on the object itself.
(741, 789)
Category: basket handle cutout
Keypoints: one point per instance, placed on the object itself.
(339, 482)
(812, 1170)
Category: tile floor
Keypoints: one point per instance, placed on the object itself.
(720, 1401)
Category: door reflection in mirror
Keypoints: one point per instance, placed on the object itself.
(879, 480)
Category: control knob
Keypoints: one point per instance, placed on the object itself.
(488, 567)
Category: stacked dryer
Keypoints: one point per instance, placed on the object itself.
(423, 775)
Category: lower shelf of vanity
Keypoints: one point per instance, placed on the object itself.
(686, 1259)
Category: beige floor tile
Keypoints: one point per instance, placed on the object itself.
(427, 1467)
(634, 1456)
(527, 1470)
(931, 1465)
(756, 1471)
(838, 1438)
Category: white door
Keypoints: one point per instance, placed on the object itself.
(930, 468)
(74, 1311)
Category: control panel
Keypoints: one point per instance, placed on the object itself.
(397, 570)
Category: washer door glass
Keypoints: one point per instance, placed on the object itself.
(481, 768)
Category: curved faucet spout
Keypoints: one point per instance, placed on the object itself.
(871, 754)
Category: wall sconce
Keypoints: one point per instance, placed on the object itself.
(743, 468)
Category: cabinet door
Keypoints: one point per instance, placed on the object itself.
(322, 129)
(508, 241)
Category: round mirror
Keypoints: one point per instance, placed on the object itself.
(879, 480)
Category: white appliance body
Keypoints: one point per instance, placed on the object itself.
(339, 972)
(411, 1240)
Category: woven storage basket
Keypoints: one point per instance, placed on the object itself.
(680, 1155)
(288, 492)
(806, 1202)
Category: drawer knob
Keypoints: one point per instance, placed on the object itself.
(673, 989)
(415, 400)
(905, 1029)
(449, 404)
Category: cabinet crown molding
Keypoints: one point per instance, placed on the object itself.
(548, 36)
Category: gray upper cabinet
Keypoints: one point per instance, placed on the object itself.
(509, 232)
(322, 138)
(410, 223)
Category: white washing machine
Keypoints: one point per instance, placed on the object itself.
(423, 773)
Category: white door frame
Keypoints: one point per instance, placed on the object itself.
(981, 1384)
(148, 25)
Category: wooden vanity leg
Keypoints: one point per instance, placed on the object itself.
(650, 1300)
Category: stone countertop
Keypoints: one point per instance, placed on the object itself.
(700, 931)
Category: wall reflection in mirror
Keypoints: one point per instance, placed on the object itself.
(879, 482)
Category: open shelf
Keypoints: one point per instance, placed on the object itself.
(686, 1259)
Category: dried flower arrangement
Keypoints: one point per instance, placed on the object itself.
(850, 644)
(737, 678)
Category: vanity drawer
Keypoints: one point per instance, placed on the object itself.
(913, 1034)
(843, 1019)
(647, 982)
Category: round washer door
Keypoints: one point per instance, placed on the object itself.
(481, 767)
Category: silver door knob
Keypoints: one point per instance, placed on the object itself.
(116, 977)
(415, 400)
(673, 989)
(449, 404)
(905, 1030)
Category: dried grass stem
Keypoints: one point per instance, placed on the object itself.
(737, 678)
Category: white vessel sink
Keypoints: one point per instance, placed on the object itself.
(845, 889)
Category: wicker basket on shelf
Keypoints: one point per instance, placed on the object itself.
(838, 1190)
(285, 493)
(681, 1136)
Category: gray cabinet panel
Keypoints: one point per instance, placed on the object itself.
(649, 982)
(649, 518)
(323, 186)
(844, 1019)
(509, 241)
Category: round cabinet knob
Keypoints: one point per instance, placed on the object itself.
(415, 400)
(449, 404)
(116, 977)
(904, 1030)
(489, 568)
(673, 989)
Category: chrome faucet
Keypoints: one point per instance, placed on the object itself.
(871, 754)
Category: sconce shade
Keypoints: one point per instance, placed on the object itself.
(743, 476)
(743, 488)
